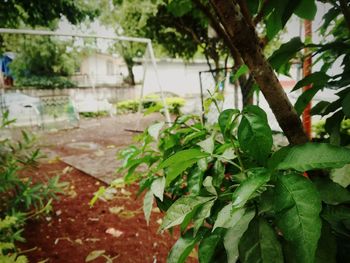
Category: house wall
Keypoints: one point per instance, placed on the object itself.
(94, 71)
(175, 76)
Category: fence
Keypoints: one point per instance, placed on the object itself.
(47, 112)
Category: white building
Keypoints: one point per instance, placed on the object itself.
(100, 69)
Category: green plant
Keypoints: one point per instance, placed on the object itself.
(321, 134)
(235, 198)
(21, 199)
(43, 82)
(94, 114)
(43, 62)
(151, 104)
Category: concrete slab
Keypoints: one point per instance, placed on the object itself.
(101, 164)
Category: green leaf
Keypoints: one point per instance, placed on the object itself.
(179, 162)
(226, 123)
(327, 247)
(248, 187)
(147, 205)
(318, 78)
(208, 245)
(201, 215)
(194, 181)
(254, 130)
(241, 71)
(94, 254)
(297, 206)
(182, 156)
(98, 194)
(202, 164)
(285, 53)
(208, 184)
(193, 136)
(310, 156)
(306, 9)
(187, 220)
(319, 108)
(253, 6)
(179, 7)
(234, 234)
(154, 130)
(228, 217)
(228, 154)
(183, 247)
(346, 105)
(332, 126)
(275, 16)
(219, 173)
(341, 176)
(305, 98)
(175, 170)
(157, 187)
(289, 10)
(182, 207)
(259, 244)
(331, 193)
(207, 145)
(337, 216)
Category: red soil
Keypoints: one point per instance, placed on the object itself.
(75, 229)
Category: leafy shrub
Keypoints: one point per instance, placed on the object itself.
(21, 199)
(151, 104)
(235, 198)
(44, 62)
(94, 114)
(320, 133)
(127, 106)
(42, 82)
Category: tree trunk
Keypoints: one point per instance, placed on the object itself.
(243, 36)
(129, 64)
(234, 52)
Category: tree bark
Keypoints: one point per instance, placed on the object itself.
(243, 36)
(129, 64)
(246, 100)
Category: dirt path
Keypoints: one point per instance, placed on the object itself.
(74, 230)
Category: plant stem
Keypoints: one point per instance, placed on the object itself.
(27, 250)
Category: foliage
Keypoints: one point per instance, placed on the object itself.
(320, 133)
(237, 200)
(40, 82)
(94, 114)
(225, 188)
(151, 104)
(15, 13)
(21, 199)
(128, 18)
(334, 46)
(43, 62)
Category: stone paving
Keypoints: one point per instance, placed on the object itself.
(93, 147)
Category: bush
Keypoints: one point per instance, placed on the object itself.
(151, 104)
(94, 114)
(320, 133)
(44, 62)
(236, 199)
(21, 199)
(42, 82)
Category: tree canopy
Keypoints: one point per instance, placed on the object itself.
(14, 13)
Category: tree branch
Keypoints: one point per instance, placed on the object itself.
(244, 38)
(220, 31)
